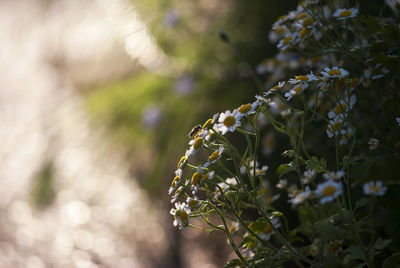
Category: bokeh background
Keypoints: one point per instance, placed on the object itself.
(96, 100)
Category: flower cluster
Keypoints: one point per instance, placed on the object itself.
(344, 90)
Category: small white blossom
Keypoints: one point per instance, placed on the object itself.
(373, 143)
(374, 188)
(228, 121)
(328, 191)
(181, 214)
(343, 13)
(335, 72)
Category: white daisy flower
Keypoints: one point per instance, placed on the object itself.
(183, 160)
(259, 171)
(181, 214)
(298, 197)
(374, 188)
(193, 203)
(303, 78)
(334, 175)
(267, 231)
(267, 101)
(343, 13)
(373, 143)
(290, 39)
(281, 20)
(335, 72)
(296, 90)
(235, 227)
(196, 145)
(177, 194)
(228, 121)
(175, 182)
(248, 108)
(214, 157)
(335, 127)
(308, 176)
(328, 191)
(210, 122)
(282, 184)
(342, 107)
(274, 89)
(198, 177)
(224, 186)
(347, 133)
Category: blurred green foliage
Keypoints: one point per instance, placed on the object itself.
(218, 74)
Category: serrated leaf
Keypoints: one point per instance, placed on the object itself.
(319, 165)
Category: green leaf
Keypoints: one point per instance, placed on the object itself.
(361, 203)
(371, 25)
(392, 261)
(319, 165)
(381, 244)
(354, 253)
(286, 168)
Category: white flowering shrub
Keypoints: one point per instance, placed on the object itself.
(307, 174)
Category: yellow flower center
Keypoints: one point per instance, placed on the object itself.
(287, 40)
(279, 30)
(213, 156)
(207, 124)
(345, 13)
(295, 193)
(282, 17)
(298, 89)
(259, 171)
(304, 32)
(174, 181)
(301, 15)
(205, 177)
(334, 246)
(244, 108)
(182, 214)
(196, 178)
(275, 88)
(179, 190)
(336, 126)
(308, 22)
(374, 188)
(183, 158)
(329, 190)
(334, 72)
(197, 143)
(193, 203)
(232, 229)
(229, 121)
(354, 82)
(316, 59)
(301, 78)
(267, 229)
(340, 108)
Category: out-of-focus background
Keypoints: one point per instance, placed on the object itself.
(96, 100)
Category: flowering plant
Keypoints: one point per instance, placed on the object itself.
(325, 199)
